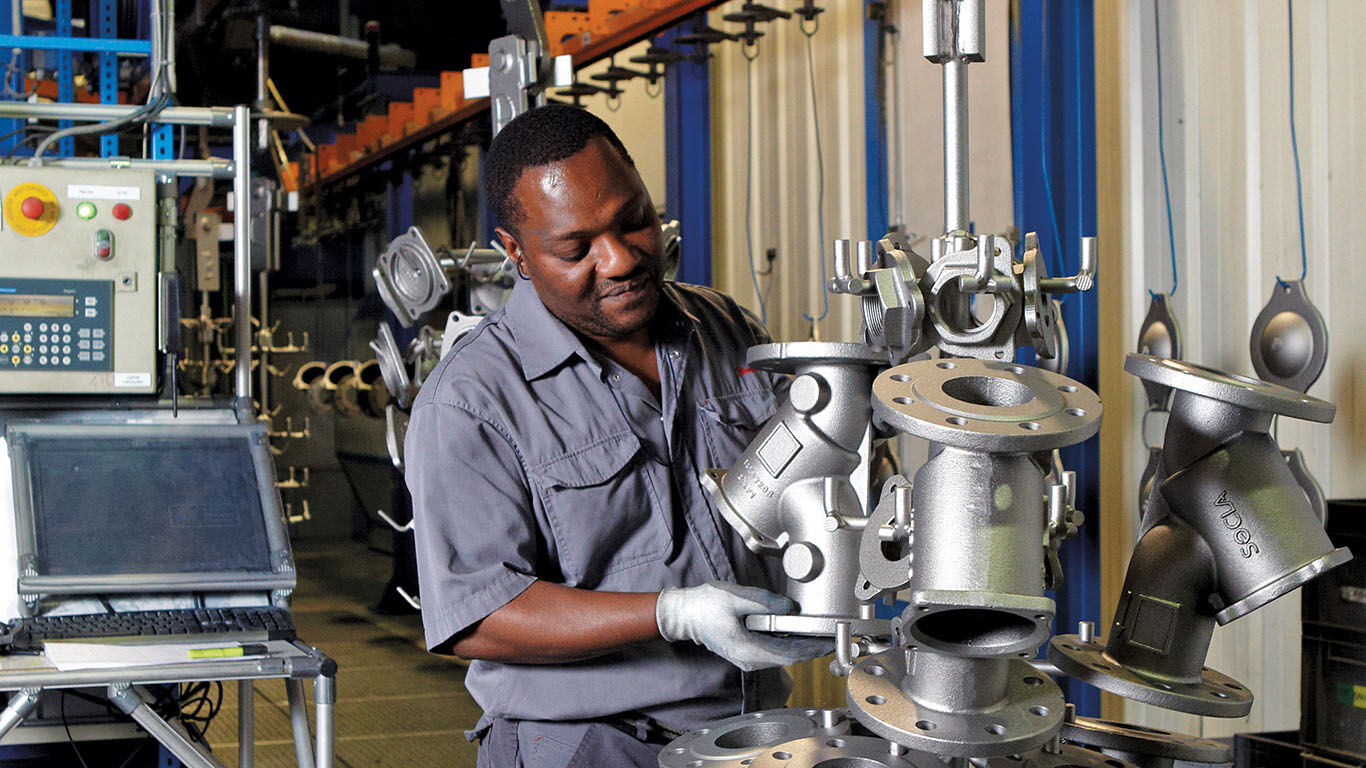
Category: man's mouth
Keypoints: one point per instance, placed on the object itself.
(629, 290)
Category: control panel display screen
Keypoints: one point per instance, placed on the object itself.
(36, 305)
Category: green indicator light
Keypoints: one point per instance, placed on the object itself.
(86, 210)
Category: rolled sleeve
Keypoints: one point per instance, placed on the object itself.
(475, 528)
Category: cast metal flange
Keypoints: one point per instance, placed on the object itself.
(1289, 342)
(392, 368)
(1230, 388)
(1068, 756)
(1150, 742)
(990, 407)
(819, 626)
(736, 741)
(1216, 695)
(834, 751)
(410, 278)
(1039, 311)
(1028, 716)
(883, 572)
(788, 357)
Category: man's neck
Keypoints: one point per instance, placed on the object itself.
(635, 353)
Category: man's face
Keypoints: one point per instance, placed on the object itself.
(590, 241)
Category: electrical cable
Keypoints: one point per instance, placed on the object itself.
(69, 738)
(158, 94)
(749, 180)
(1044, 114)
(1295, 144)
(1161, 147)
(820, 174)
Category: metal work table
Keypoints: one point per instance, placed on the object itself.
(27, 675)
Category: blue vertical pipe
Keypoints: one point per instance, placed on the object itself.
(1053, 137)
(687, 152)
(874, 119)
(106, 26)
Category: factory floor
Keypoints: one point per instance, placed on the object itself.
(397, 705)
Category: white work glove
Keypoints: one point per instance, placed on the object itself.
(713, 615)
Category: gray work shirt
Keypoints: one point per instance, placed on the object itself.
(531, 457)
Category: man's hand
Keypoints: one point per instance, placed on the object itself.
(713, 615)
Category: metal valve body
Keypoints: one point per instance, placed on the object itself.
(789, 493)
(1228, 530)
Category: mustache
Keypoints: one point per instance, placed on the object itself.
(637, 279)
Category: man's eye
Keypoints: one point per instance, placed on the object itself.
(573, 254)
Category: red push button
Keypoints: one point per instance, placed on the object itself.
(122, 212)
(32, 208)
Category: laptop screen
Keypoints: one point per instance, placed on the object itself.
(139, 508)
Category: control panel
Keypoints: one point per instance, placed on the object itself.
(78, 281)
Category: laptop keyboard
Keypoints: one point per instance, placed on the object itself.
(264, 623)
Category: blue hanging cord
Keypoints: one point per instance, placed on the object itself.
(1044, 115)
(820, 179)
(1162, 148)
(1295, 145)
(749, 181)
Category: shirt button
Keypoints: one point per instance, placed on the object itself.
(616, 377)
(674, 354)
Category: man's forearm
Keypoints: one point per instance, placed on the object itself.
(551, 623)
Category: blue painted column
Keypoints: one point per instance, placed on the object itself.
(1053, 133)
(15, 80)
(874, 121)
(66, 74)
(106, 26)
(687, 150)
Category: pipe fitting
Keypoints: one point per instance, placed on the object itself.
(1227, 530)
(792, 482)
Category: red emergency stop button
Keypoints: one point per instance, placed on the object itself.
(32, 208)
(122, 212)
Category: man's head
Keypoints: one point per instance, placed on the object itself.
(577, 219)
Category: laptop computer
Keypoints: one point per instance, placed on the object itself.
(128, 516)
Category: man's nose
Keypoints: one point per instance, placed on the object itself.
(618, 259)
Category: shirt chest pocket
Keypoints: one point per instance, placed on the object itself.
(604, 505)
(730, 422)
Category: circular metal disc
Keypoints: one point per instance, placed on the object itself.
(1039, 311)
(1289, 342)
(726, 743)
(816, 626)
(410, 277)
(1030, 716)
(1229, 387)
(786, 357)
(392, 368)
(1071, 756)
(1139, 740)
(835, 751)
(1216, 695)
(986, 406)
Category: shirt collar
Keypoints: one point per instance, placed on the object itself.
(544, 342)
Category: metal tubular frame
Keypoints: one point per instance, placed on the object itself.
(124, 688)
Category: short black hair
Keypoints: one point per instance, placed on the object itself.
(537, 137)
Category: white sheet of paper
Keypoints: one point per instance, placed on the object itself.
(68, 655)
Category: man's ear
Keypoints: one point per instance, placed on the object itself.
(514, 250)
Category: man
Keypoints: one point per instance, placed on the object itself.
(564, 540)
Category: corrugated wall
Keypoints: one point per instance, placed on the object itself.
(1230, 169)
(775, 145)
(762, 127)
